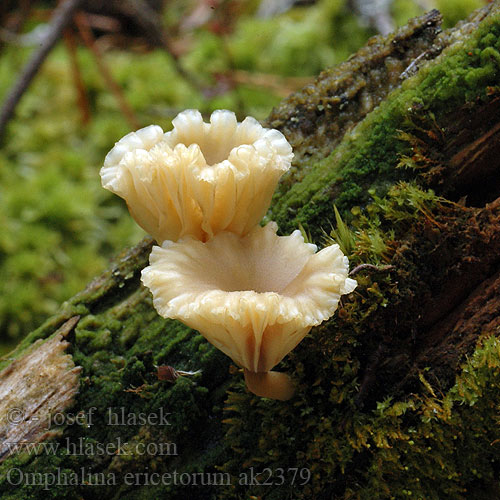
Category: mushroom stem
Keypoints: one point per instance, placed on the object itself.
(273, 385)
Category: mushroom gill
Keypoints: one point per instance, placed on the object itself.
(254, 297)
(200, 178)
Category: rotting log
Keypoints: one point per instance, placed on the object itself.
(398, 394)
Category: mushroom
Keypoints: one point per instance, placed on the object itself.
(200, 178)
(254, 297)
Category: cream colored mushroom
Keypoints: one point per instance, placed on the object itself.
(200, 178)
(254, 297)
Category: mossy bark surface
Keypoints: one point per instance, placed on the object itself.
(398, 394)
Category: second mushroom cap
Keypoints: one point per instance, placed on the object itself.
(253, 297)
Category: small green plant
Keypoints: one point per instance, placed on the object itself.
(342, 235)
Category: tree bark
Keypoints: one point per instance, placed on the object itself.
(397, 395)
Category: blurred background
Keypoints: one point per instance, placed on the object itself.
(119, 65)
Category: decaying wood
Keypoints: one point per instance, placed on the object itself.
(34, 388)
(469, 148)
(318, 116)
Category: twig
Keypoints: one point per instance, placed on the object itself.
(88, 39)
(413, 66)
(149, 22)
(371, 267)
(60, 19)
(282, 85)
(370, 376)
(83, 101)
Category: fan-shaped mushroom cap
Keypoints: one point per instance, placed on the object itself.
(253, 297)
(200, 178)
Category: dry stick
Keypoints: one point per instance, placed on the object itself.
(370, 267)
(281, 85)
(60, 19)
(83, 101)
(88, 39)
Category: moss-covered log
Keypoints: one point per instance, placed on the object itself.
(398, 394)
